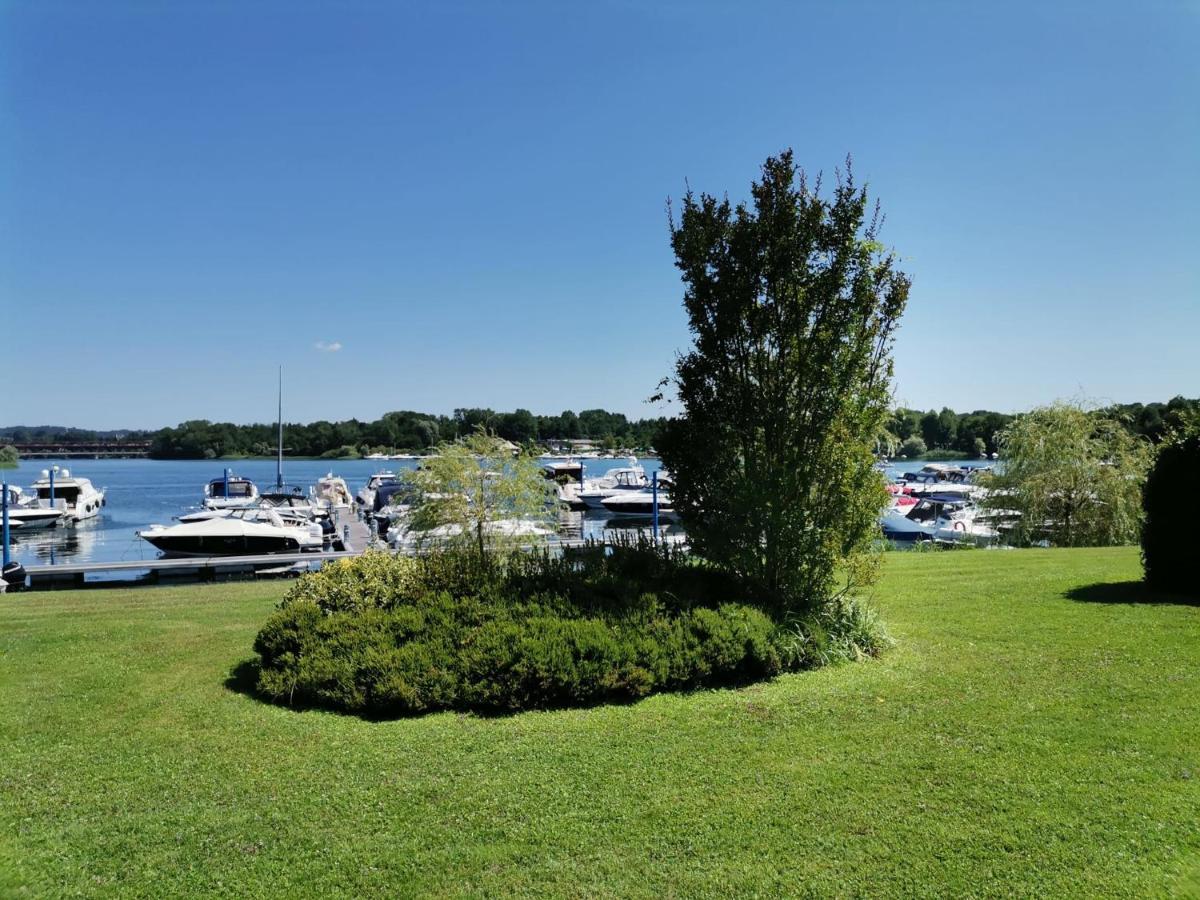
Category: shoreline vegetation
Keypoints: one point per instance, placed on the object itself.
(1031, 733)
(932, 435)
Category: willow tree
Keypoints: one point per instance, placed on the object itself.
(792, 303)
(1075, 477)
(474, 492)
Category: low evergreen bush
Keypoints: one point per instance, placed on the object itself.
(1168, 547)
(383, 636)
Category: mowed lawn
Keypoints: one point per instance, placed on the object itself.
(1033, 733)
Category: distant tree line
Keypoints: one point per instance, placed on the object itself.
(39, 434)
(403, 431)
(911, 432)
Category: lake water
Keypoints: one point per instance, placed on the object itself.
(141, 492)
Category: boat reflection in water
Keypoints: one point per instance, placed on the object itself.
(81, 541)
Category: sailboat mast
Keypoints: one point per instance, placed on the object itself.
(279, 420)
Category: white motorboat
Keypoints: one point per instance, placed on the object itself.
(230, 492)
(639, 503)
(938, 517)
(24, 513)
(568, 475)
(366, 494)
(332, 493)
(238, 532)
(292, 498)
(616, 481)
(75, 496)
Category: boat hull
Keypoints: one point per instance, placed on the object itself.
(33, 519)
(227, 545)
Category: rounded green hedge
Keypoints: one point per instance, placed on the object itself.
(384, 636)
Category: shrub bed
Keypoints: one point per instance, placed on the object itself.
(383, 635)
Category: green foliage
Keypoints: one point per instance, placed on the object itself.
(792, 305)
(1074, 476)
(9, 457)
(1168, 535)
(472, 491)
(346, 451)
(913, 448)
(388, 636)
(847, 629)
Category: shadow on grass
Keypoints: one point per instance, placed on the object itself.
(243, 679)
(1129, 592)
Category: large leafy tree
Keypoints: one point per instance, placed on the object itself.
(1075, 476)
(792, 303)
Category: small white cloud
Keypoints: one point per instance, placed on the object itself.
(328, 347)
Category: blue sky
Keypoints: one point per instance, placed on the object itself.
(466, 200)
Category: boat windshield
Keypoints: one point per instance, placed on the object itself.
(238, 487)
(69, 493)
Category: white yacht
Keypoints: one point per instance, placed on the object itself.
(616, 481)
(230, 492)
(937, 517)
(332, 493)
(24, 514)
(75, 496)
(237, 532)
(639, 503)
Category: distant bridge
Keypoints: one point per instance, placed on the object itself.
(93, 450)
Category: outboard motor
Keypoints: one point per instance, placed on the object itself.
(13, 576)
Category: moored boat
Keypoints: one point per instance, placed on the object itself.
(616, 481)
(366, 494)
(76, 497)
(332, 493)
(639, 503)
(239, 532)
(230, 492)
(24, 513)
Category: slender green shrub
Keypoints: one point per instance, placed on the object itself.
(1168, 543)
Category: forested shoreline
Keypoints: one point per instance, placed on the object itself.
(910, 432)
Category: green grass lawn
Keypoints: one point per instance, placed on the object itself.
(1018, 740)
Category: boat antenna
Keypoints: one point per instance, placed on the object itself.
(279, 420)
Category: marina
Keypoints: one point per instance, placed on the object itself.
(136, 494)
(140, 493)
